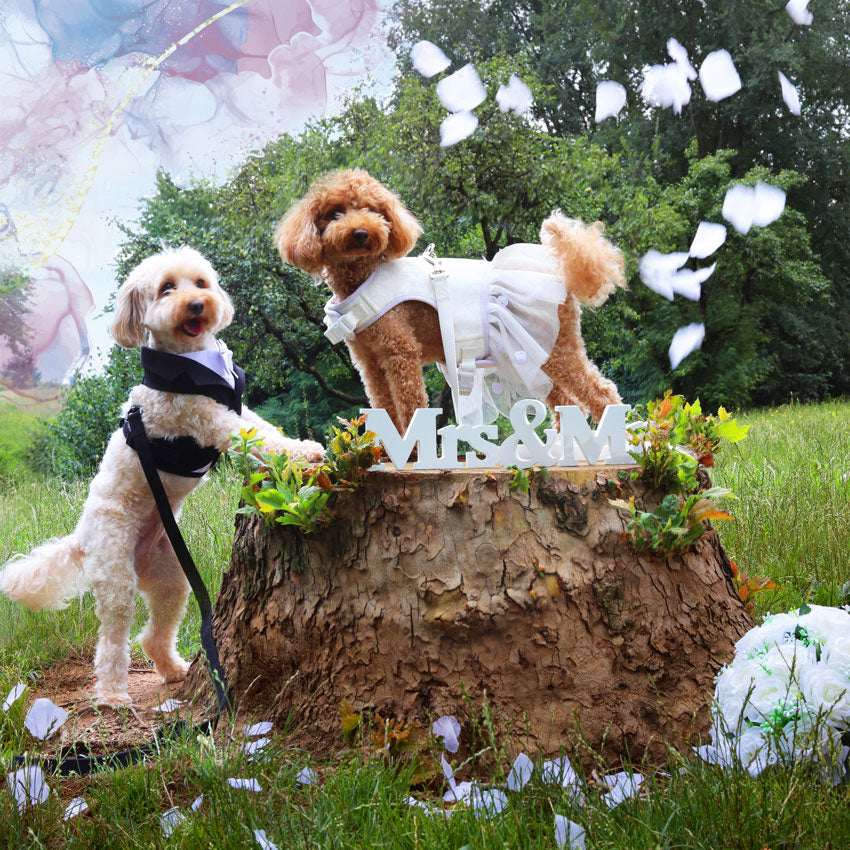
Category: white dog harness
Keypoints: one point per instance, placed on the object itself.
(498, 321)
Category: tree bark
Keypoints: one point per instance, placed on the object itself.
(433, 591)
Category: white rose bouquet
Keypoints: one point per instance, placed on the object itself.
(786, 694)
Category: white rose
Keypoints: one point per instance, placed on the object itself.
(836, 652)
(827, 692)
(825, 621)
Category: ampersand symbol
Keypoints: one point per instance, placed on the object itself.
(524, 448)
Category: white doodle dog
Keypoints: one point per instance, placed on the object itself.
(119, 545)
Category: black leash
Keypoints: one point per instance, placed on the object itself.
(80, 760)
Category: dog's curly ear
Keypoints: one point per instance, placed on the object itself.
(405, 230)
(128, 329)
(297, 238)
(226, 314)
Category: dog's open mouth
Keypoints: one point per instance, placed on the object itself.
(194, 327)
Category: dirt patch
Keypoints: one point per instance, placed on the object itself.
(68, 684)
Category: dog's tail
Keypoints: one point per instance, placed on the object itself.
(588, 263)
(49, 577)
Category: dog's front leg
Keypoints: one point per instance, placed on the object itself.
(399, 358)
(374, 379)
(276, 442)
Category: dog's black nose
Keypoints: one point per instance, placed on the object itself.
(196, 307)
(360, 235)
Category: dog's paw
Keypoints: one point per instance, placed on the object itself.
(174, 670)
(112, 699)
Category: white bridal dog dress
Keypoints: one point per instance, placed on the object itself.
(498, 320)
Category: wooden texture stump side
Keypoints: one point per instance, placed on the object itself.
(431, 584)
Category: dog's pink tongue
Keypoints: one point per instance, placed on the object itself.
(193, 327)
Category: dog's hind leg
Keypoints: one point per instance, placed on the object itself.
(571, 371)
(109, 568)
(165, 590)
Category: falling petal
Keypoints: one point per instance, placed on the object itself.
(76, 807)
(688, 282)
(457, 127)
(13, 696)
(520, 772)
(709, 237)
(44, 718)
(768, 204)
(799, 13)
(28, 786)
(260, 838)
(610, 99)
(680, 56)
(447, 769)
(666, 85)
(516, 96)
(169, 705)
(657, 269)
(568, 831)
(459, 791)
(718, 76)
(448, 729)
(738, 208)
(461, 91)
(428, 59)
(306, 776)
(245, 784)
(171, 820)
(251, 748)
(197, 804)
(262, 728)
(789, 94)
(685, 341)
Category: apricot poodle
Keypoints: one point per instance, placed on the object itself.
(119, 546)
(356, 233)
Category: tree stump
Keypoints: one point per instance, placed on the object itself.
(435, 585)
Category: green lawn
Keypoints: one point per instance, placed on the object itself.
(792, 475)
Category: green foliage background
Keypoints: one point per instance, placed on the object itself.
(773, 309)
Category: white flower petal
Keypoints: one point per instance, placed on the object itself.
(610, 99)
(559, 772)
(666, 85)
(461, 91)
(680, 56)
(709, 237)
(14, 695)
(768, 204)
(169, 705)
(789, 94)
(197, 803)
(260, 838)
(568, 831)
(262, 728)
(44, 718)
(520, 773)
(28, 786)
(799, 13)
(657, 270)
(306, 776)
(458, 791)
(685, 341)
(431, 810)
(516, 96)
(487, 803)
(245, 784)
(718, 75)
(738, 207)
(170, 820)
(688, 282)
(428, 59)
(457, 127)
(448, 729)
(252, 748)
(76, 807)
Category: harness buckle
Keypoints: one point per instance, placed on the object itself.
(343, 328)
(466, 377)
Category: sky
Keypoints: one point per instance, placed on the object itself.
(97, 95)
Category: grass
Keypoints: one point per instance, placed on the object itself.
(791, 525)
